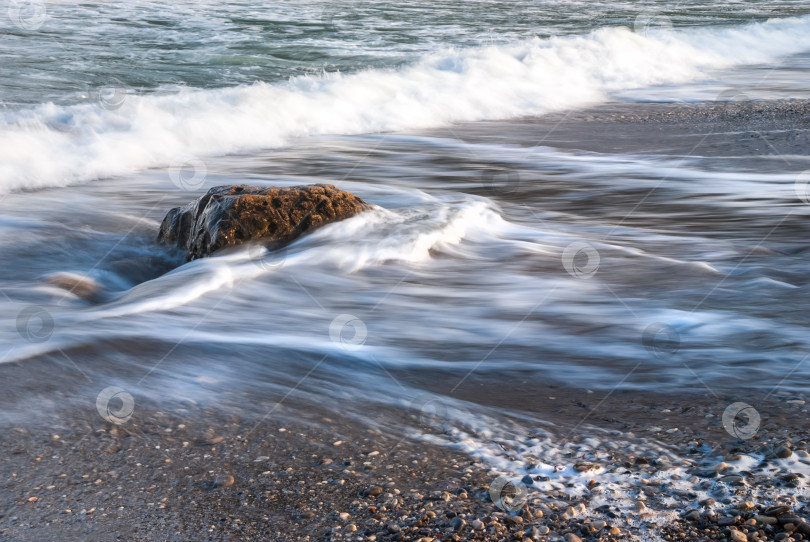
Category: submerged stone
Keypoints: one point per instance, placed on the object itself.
(231, 215)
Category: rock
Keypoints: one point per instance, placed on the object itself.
(231, 215)
(639, 506)
(795, 520)
(737, 536)
(571, 537)
(765, 520)
(223, 480)
(692, 514)
(777, 510)
(373, 491)
(79, 285)
(733, 479)
(457, 523)
(351, 527)
(394, 528)
(782, 452)
(210, 440)
(477, 524)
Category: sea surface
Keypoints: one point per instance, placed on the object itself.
(490, 254)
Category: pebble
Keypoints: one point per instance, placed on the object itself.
(777, 510)
(457, 523)
(223, 480)
(692, 514)
(737, 536)
(351, 527)
(394, 528)
(373, 491)
(782, 452)
(477, 524)
(766, 520)
(571, 537)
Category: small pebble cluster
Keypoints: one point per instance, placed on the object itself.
(387, 513)
(742, 522)
(208, 476)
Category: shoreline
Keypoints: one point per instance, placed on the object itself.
(728, 127)
(191, 472)
(596, 464)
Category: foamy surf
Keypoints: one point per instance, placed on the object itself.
(87, 141)
(646, 481)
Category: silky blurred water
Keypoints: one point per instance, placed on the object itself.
(490, 252)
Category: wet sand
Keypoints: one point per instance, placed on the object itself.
(190, 472)
(726, 127)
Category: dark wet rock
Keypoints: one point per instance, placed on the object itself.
(782, 452)
(457, 524)
(777, 510)
(231, 215)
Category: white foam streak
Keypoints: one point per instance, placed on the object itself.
(57, 145)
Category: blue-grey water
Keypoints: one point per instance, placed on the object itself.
(490, 254)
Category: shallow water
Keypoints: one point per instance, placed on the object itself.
(490, 254)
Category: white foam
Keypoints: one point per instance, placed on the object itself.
(54, 145)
